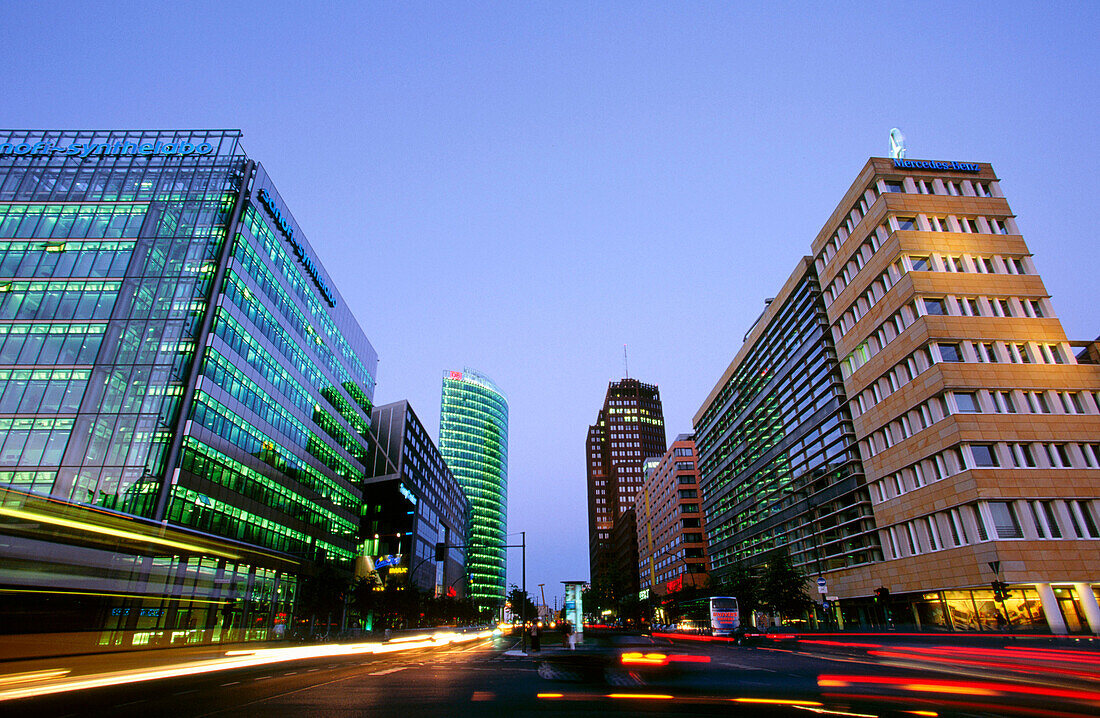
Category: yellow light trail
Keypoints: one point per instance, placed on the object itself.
(650, 696)
(232, 660)
(107, 531)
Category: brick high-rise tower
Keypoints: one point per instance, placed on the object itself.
(630, 427)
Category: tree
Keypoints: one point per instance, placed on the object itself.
(784, 587)
(322, 594)
(742, 585)
(519, 600)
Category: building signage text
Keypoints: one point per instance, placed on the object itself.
(84, 150)
(284, 225)
(905, 164)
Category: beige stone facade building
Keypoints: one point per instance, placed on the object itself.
(909, 423)
(977, 425)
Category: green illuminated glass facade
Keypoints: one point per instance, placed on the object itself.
(473, 438)
(779, 466)
(171, 354)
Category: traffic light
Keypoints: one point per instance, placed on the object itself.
(882, 594)
(1000, 591)
(440, 552)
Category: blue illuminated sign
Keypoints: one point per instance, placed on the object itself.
(391, 560)
(905, 164)
(284, 225)
(84, 150)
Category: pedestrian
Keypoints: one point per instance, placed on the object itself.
(536, 634)
(570, 636)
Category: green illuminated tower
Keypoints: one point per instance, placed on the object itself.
(473, 438)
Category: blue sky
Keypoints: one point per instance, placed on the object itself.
(523, 188)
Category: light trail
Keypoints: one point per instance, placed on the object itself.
(232, 660)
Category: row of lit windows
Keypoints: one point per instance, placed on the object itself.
(791, 327)
(882, 284)
(272, 287)
(42, 344)
(208, 412)
(236, 290)
(862, 255)
(70, 221)
(292, 319)
(61, 301)
(288, 267)
(34, 442)
(249, 394)
(211, 465)
(57, 260)
(42, 391)
(860, 209)
(982, 521)
(124, 178)
(190, 508)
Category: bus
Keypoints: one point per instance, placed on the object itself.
(725, 618)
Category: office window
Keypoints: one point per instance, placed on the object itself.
(907, 223)
(1083, 510)
(893, 186)
(921, 264)
(984, 455)
(950, 353)
(970, 307)
(1058, 455)
(935, 306)
(1051, 517)
(967, 401)
(1005, 523)
(1023, 457)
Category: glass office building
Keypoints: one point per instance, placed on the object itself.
(415, 513)
(780, 471)
(184, 400)
(473, 438)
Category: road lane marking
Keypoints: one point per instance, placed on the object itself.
(230, 683)
(388, 671)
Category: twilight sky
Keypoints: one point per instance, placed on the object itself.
(522, 188)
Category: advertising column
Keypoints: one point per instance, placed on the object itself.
(574, 608)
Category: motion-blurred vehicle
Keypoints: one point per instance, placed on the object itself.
(619, 660)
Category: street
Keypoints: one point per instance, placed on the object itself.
(613, 673)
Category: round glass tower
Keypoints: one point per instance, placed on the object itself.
(473, 438)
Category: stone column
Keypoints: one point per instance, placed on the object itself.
(1051, 609)
(1088, 602)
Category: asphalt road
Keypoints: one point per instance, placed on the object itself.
(659, 677)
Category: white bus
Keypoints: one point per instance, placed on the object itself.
(725, 618)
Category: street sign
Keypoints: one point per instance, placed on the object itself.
(832, 598)
(821, 587)
(825, 605)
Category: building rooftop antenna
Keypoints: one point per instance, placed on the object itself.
(897, 144)
(626, 366)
